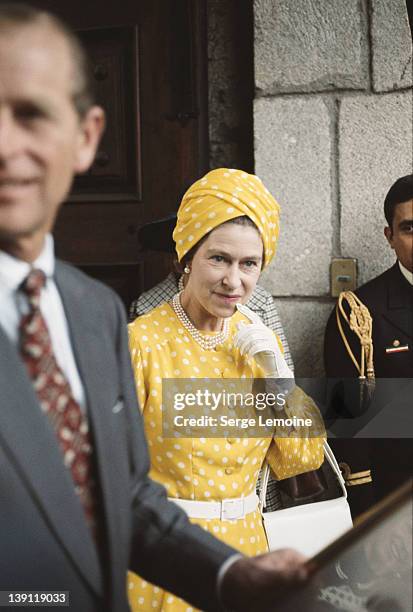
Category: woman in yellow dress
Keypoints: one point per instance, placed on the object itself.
(227, 230)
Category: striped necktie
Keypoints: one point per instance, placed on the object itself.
(56, 400)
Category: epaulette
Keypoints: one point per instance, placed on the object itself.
(360, 323)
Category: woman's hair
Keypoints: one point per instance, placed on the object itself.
(180, 265)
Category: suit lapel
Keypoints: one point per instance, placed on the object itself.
(88, 334)
(400, 302)
(31, 444)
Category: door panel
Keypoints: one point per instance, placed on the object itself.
(149, 65)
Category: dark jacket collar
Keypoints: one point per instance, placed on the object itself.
(399, 301)
(400, 291)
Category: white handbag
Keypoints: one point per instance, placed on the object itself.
(311, 527)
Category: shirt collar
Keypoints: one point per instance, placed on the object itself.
(13, 271)
(406, 273)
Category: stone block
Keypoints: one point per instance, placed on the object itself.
(391, 45)
(375, 148)
(293, 158)
(304, 323)
(311, 45)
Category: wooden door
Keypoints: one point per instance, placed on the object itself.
(149, 67)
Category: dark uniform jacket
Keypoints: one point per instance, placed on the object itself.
(389, 298)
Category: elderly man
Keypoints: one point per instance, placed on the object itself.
(77, 506)
(375, 467)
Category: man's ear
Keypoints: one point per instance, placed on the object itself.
(90, 131)
(388, 232)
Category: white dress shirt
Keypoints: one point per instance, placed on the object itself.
(13, 304)
(406, 273)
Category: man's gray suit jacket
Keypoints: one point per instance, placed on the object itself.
(45, 542)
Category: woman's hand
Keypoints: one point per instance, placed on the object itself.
(258, 341)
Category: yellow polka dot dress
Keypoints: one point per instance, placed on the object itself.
(203, 469)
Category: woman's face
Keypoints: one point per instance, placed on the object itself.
(224, 270)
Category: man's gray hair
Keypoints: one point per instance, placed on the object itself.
(22, 15)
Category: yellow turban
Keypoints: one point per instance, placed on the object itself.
(219, 196)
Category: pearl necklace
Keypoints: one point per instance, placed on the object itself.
(206, 342)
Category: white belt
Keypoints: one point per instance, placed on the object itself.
(226, 510)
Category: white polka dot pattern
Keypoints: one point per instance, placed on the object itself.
(203, 208)
(203, 468)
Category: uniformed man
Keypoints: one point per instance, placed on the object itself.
(389, 300)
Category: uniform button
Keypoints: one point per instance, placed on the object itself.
(229, 470)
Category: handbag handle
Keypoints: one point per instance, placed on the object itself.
(328, 454)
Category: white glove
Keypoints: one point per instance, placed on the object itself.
(256, 340)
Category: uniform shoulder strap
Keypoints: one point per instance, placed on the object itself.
(361, 323)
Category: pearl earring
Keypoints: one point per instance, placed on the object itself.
(187, 270)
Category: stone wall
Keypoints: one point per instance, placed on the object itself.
(230, 83)
(332, 131)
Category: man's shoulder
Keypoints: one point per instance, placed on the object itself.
(76, 280)
(261, 292)
(372, 291)
(158, 294)
(260, 299)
